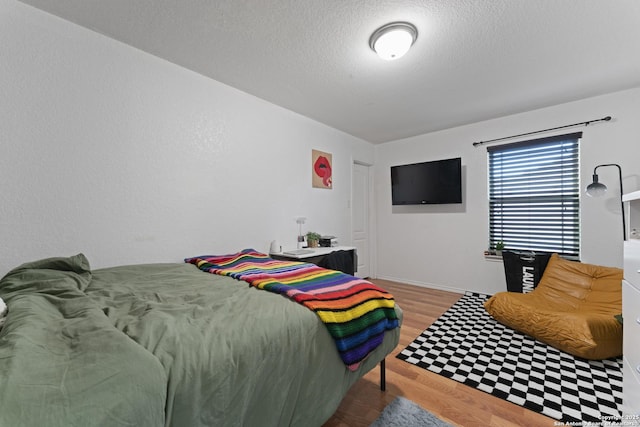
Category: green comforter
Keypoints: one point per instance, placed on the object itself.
(162, 344)
(62, 363)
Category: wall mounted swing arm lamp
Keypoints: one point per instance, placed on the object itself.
(598, 189)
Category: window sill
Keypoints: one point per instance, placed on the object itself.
(491, 256)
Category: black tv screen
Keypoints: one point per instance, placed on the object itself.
(436, 182)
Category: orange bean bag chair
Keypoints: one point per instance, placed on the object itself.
(571, 309)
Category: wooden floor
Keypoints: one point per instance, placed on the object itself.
(451, 401)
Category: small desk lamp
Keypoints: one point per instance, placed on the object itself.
(598, 189)
(300, 220)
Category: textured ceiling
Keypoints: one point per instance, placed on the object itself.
(473, 60)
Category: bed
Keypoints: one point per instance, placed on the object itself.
(163, 344)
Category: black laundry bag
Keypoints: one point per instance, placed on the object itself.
(523, 270)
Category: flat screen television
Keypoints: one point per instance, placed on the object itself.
(435, 182)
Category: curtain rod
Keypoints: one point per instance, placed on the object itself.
(587, 123)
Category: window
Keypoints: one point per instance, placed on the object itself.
(534, 195)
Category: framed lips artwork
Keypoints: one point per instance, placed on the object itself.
(321, 169)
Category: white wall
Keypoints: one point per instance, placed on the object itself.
(127, 158)
(442, 246)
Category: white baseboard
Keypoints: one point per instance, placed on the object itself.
(424, 285)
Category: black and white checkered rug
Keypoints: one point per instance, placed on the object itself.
(467, 345)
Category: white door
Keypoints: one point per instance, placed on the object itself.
(360, 217)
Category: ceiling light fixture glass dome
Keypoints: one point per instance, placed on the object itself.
(393, 40)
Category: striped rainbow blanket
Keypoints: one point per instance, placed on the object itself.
(355, 311)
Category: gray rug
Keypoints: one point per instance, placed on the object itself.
(404, 413)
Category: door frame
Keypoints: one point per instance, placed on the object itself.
(373, 253)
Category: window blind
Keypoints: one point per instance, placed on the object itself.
(534, 195)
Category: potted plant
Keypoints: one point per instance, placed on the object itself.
(499, 247)
(312, 239)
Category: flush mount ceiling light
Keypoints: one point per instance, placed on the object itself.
(393, 40)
